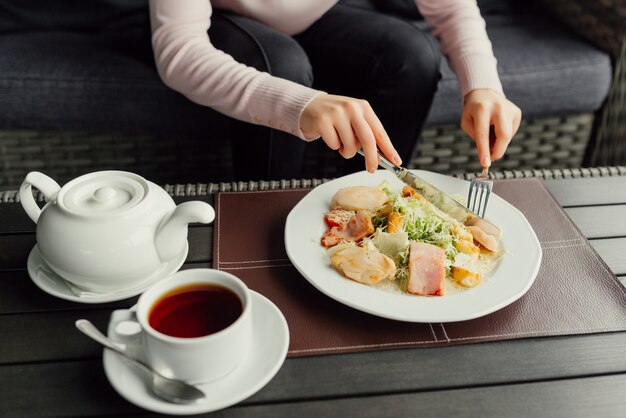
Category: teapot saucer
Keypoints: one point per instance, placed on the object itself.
(50, 282)
(270, 342)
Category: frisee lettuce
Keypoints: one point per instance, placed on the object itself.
(423, 224)
(402, 270)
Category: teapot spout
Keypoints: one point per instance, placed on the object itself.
(171, 235)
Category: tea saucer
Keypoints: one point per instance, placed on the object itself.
(50, 282)
(270, 341)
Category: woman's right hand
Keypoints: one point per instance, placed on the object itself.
(346, 125)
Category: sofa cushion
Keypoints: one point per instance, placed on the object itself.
(544, 67)
(74, 15)
(96, 82)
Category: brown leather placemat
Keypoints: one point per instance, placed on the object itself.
(574, 293)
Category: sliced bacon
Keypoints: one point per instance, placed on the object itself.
(358, 227)
(427, 269)
(330, 239)
(338, 217)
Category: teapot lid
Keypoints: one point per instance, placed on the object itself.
(103, 193)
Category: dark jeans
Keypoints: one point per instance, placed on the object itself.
(348, 51)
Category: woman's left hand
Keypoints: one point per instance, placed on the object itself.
(483, 108)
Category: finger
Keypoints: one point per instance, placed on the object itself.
(349, 143)
(467, 124)
(381, 137)
(492, 138)
(365, 136)
(517, 120)
(329, 135)
(503, 128)
(481, 136)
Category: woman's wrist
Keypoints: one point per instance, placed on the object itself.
(481, 91)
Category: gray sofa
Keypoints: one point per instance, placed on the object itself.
(79, 92)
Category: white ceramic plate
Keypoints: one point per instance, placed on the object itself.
(513, 276)
(50, 282)
(270, 341)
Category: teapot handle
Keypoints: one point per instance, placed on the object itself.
(45, 184)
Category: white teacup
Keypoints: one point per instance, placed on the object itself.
(198, 359)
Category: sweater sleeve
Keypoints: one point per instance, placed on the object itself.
(188, 63)
(463, 39)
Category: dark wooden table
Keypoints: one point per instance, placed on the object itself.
(47, 368)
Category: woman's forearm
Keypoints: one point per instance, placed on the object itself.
(188, 63)
(463, 39)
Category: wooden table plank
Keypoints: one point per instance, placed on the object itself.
(88, 393)
(613, 252)
(376, 372)
(446, 367)
(600, 221)
(49, 336)
(20, 222)
(20, 295)
(588, 191)
(15, 248)
(593, 397)
(62, 389)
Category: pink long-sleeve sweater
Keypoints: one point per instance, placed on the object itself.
(190, 64)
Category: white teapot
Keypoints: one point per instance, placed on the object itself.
(109, 230)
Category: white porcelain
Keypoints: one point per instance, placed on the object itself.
(109, 230)
(512, 277)
(193, 360)
(270, 339)
(50, 282)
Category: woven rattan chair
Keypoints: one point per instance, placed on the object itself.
(604, 24)
(567, 140)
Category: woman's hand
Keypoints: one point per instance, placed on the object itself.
(483, 108)
(346, 124)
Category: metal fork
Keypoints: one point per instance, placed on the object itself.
(479, 191)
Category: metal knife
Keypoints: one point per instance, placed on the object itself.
(441, 200)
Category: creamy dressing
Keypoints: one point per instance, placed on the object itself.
(449, 287)
(484, 265)
(487, 262)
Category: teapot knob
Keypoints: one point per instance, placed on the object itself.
(104, 194)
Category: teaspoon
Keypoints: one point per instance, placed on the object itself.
(169, 389)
